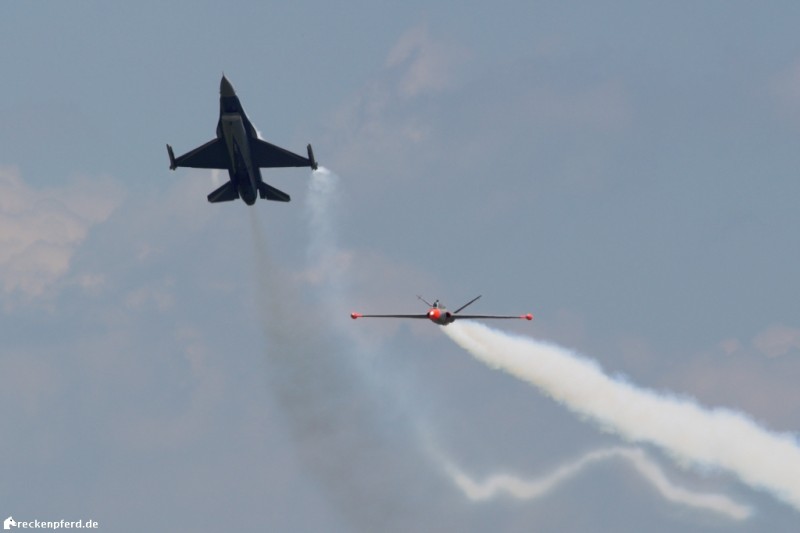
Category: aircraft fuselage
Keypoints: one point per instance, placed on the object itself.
(236, 130)
(438, 314)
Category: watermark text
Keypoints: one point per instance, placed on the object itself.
(10, 523)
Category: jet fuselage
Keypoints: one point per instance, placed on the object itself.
(236, 130)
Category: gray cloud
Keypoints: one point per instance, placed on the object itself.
(40, 229)
(777, 340)
(426, 64)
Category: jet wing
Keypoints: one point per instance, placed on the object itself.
(359, 315)
(524, 317)
(212, 154)
(268, 155)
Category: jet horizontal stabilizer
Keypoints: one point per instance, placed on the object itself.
(268, 192)
(226, 193)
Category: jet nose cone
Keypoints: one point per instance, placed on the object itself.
(225, 88)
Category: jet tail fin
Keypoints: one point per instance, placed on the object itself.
(425, 301)
(268, 192)
(465, 305)
(226, 193)
(172, 164)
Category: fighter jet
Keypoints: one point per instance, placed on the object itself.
(438, 314)
(238, 149)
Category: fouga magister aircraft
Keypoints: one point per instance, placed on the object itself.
(238, 149)
(438, 314)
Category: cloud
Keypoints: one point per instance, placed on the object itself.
(730, 346)
(158, 295)
(40, 229)
(427, 65)
(777, 340)
(430, 113)
(384, 120)
(736, 373)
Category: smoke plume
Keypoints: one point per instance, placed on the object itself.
(718, 438)
(522, 489)
(344, 429)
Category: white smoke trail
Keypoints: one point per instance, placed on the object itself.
(323, 250)
(328, 262)
(533, 489)
(333, 408)
(719, 438)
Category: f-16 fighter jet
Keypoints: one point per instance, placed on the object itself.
(238, 149)
(438, 314)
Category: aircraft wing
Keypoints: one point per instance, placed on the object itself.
(268, 155)
(359, 315)
(211, 155)
(524, 317)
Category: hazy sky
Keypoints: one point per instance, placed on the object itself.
(628, 172)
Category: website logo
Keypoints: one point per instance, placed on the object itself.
(9, 522)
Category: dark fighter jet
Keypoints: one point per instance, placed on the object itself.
(238, 149)
(438, 314)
